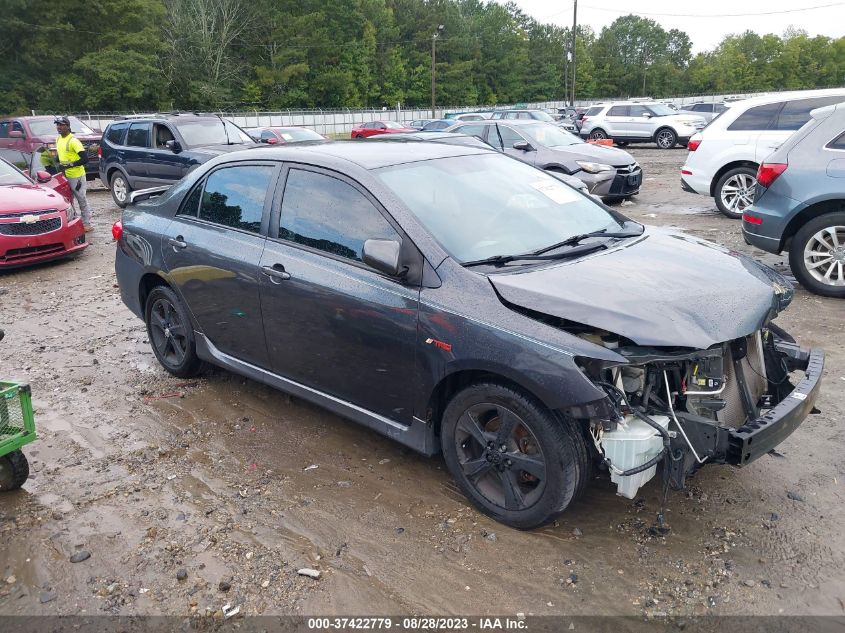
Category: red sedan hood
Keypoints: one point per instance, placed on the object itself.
(20, 198)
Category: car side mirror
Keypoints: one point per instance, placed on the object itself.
(43, 176)
(174, 146)
(525, 146)
(15, 134)
(383, 255)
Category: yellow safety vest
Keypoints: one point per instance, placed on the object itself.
(69, 148)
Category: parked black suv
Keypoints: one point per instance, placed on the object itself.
(153, 150)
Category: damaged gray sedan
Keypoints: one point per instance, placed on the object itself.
(456, 300)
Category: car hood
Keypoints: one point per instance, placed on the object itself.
(29, 197)
(661, 288)
(595, 153)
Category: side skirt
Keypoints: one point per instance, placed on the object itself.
(418, 435)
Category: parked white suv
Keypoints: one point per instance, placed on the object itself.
(723, 159)
(635, 121)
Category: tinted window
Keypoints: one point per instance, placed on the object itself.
(115, 133)
(760, 117)
(638, 110)
(594, 111)
(797, 113)
(496, 115)
(719, 108)
(267, 135)
(618, 111)
(330, 215)
(139, 135)
(234, 196)
(702, 107)
(200, 132)
(192, 202)
(437, 125)
(838, 143)
(4, 129)
(473, 130)
(509, 136)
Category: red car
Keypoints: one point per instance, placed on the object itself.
(28, 134)
(34, 225)
(380, 127)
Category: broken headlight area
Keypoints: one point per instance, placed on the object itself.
(682, 408)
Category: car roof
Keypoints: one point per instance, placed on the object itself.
(369, 154)
(517, 122)
(787, 96)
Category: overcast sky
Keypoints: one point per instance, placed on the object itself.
(705, 32)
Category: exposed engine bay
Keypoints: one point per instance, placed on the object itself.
(682, 409)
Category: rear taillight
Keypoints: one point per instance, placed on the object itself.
(767, 173)
(584, 119)
(751, 219)
(117, 230)
(692, 145)
(100, 151)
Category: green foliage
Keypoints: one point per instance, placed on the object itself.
(273, 54)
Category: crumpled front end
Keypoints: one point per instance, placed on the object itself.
(682, 409)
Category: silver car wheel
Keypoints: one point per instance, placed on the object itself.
(597, 135)
(665, 139)
(824, 256)
(119, 188)
(738, 192)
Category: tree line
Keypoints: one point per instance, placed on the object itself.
(120, 55)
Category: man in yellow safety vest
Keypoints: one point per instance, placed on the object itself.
(72, 159)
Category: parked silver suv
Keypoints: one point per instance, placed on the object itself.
(629, 121)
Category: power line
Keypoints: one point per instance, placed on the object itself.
(721, 15)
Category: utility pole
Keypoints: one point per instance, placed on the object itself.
(433, 57)
(574, 30)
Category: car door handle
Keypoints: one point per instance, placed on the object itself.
(276, 273)
(177, 242)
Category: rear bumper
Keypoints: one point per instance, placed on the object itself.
(22, 250)
(755, 439)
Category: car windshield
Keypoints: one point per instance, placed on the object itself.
(480, 206)
(549, 135)
(46, 127)
(393, 125)
(660, 109)
(11, 176)
(211, 132)
(298, 134)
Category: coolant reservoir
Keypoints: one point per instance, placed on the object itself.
(632, 444)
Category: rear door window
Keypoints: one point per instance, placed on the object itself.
(115, 133)
(758, 118)
(797, 113)
(139, 135)
(594, 111)
(235, 196)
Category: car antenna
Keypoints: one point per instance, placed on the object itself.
(225, 130)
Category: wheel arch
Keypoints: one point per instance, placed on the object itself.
(454, 382)
(661, 128)
(726, 168)
(147, 283)
(110, 171)
(808, 213)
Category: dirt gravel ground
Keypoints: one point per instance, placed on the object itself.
(188, 495)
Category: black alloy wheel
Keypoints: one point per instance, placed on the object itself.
(516, 461)
(171, 334)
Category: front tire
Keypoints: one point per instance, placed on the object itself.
(170, 333)
(735, 191)
(14, 470)
(666, 138)
(510, 456)
(817, 255)
(120, 189)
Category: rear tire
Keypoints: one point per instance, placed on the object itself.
(817, 255)
(170, 333)
(511, 457)
(14, 470)
(666, 138)
(120, 189)
(735, 191)
(598, 134)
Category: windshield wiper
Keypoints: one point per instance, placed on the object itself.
(575, 239)
(500, 260)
